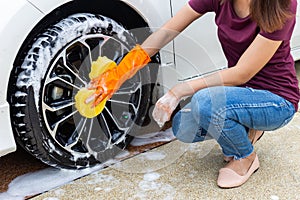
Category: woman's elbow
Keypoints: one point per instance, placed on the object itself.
(237, 77)
(242, 78)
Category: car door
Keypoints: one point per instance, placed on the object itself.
(198, 50)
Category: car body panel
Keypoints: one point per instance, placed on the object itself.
(205, 45)
(47, 6)
(7, 142)
(13, 32)
(155, 16)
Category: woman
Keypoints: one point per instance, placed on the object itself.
(233, 104)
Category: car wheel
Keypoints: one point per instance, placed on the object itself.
(56, 66)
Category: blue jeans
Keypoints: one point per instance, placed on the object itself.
(227, 113)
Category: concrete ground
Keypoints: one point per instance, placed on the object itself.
(180, 171)
(190, 172)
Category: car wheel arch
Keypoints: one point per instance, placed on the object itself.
(73, 7)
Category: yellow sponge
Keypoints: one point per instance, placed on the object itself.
(101, 65)
(98, 67)
(84, 109)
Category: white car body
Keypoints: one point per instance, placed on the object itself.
(19, 17)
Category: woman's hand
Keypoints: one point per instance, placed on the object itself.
(165, 107)
(110, 81)
(105, 86)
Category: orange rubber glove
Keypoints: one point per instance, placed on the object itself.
(101, 65)
(111, 80)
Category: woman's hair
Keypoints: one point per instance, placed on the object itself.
(270, 15)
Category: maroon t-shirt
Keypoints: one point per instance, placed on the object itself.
(236, 34)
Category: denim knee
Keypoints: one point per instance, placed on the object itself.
(185, 127)
(201, 106)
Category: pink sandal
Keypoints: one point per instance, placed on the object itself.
(230, 179)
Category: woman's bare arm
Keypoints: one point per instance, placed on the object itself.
(251, 62)
(185, 16)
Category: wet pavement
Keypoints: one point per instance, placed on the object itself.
(17, 164)
(191, 173)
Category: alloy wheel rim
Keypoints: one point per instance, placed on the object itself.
(66, 75)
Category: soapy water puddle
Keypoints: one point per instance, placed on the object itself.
(146, 156)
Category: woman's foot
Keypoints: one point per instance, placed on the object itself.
(241, 166)
(254, 136)
(237, 172)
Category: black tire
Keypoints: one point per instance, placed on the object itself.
(44, 118)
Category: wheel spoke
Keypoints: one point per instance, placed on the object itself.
(58, 106)
(130, 89)
(89, 55)
(125, 103)
(74, 73)
(104, 40)
(87, 137)
(79, 59)
(61, 121)
(79, 130)
(109, 142)
(62, 83)
(112, 119)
